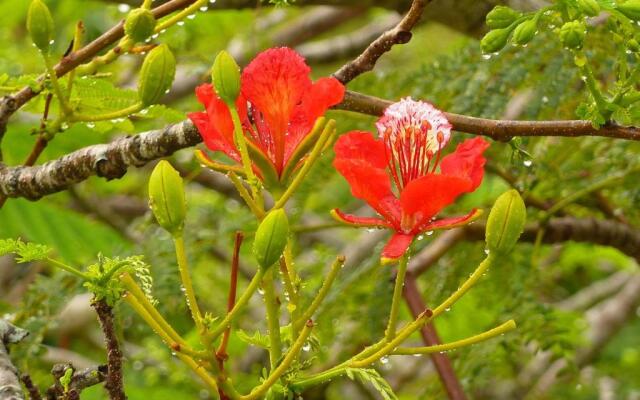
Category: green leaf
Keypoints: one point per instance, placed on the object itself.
(25, 252)
(257, 339)
(369, 375)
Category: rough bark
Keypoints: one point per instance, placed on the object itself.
(10, 388)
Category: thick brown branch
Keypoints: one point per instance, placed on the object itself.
(112, 160)
(399, 34)
(114, 380)
(106, 160)
(10, 388)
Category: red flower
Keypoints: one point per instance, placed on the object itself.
(278, 105)
(412, 136)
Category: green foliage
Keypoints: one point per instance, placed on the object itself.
(372, 377)
(25, 252)
(103, 277)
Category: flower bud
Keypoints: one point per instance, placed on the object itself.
(226, 77)
(139, 24)
(156, 75)
(271, 238)
(166, 197)
(506, 222)
(501, 17)
(40, 25)
(631, 9)
(494, 40)
(525, 32)
(589, 7)
(572, 34)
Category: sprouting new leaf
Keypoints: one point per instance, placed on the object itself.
(25, 252)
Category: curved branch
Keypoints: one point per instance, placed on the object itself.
(399, 34)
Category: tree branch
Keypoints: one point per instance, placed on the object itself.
(10, 388)
(114, 378)
(399, 34)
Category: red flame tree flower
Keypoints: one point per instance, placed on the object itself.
(278, 106)
(412, 135)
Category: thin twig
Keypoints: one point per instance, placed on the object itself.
(399, 34)
(221, 353)
(114, 380)
(34, 393)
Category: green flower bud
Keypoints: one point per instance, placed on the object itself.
(572, 34)
(40, 25)
(494, 40)
(271, 238)
(226, 77)
(631, 9)
(139, 24)
(501, 17)
(525, 32)
(589, 7)
(156, 74)
(506, 222)
(166, 197)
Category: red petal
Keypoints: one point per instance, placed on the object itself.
(467, 161)
(275, 82)
(361, 222)
(396, 247)
(324, 93)
(453, 222)
(424, 197)
(361, 160)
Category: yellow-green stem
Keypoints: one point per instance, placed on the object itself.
(499, 330)
(192, 9)
(397, 297)
(125, 112)
(324, 290)
(64, 105)
(242, 191)
(68, 268)
(77, 44)
(187, 285)
(259, 391)
(247, 165)
(240, 303)
(273, 318)
(136, 292)
(329, 130)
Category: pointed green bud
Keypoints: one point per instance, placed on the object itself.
(139, 24)
(271, 238)
(572, 34)
(631, 9)
(225, 76)
(156, 75)
(501, 17)
(589, 7)
(166, 197)
(506, 222)
(495, 40)
(525, 32)
(40, 25)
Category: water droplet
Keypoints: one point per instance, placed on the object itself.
(64, 125)
(447, 309)
(527, 163)
(261, 291)
(384, 360)
(420, 237)
(191, 16)
(91, 125)
(167, 91)
(545, 99)
(429, 233)
(204, 8)
(180, 23)
(212, 1)
(52, 41)
(306, 347)
(123, 8)
(486, 56)
(143, 112)
(154, 36)
(486, 251)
